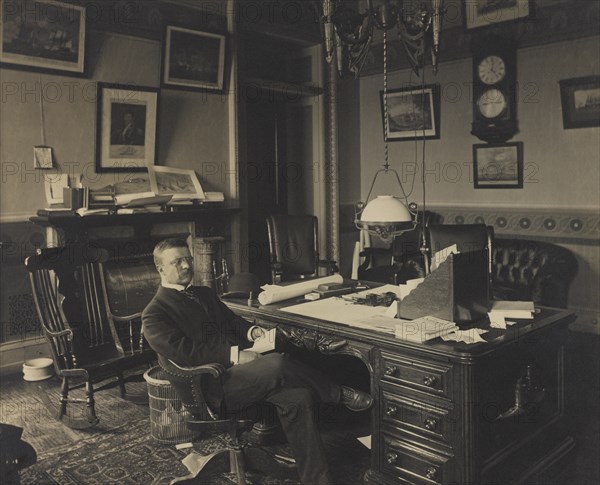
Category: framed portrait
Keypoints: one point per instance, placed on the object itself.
(126, 127)
(580, 99)
(498, 166)
(481, 13)
(193, 59)
(179, 182)
(413, 113)
(43, 35)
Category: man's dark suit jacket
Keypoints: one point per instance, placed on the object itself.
(191, 333)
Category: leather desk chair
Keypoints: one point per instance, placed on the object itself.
(294, 248)
(467, 237)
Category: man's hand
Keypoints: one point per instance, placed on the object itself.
(246, 356)
(257, 332)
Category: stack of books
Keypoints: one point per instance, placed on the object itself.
(103, 198)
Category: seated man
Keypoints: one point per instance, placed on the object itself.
(190, 326)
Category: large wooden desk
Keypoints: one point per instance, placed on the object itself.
(445, 412)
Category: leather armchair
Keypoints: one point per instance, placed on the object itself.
(532, 270)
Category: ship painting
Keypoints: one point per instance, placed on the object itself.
(48, 35)
(406, 113)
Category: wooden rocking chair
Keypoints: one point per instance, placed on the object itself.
(68, 294)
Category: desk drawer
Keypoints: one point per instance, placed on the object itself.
(424, 422)
(413, 464)
(425, 376)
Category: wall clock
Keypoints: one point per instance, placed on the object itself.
(494, 89)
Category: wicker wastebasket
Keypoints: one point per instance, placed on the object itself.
(167, 414)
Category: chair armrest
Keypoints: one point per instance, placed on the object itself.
(216, 370)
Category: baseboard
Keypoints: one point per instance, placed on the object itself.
(13, 354)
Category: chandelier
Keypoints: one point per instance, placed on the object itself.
(348, 33)
(348, 36)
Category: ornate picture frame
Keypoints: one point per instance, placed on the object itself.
(126, 127)
(193, 59)
(498, 165)
(413, 113)
(580, 100)
(482, 13)
(43, 36)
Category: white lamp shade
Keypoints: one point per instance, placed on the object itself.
(385, 208)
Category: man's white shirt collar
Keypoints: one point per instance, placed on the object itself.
(174, 286)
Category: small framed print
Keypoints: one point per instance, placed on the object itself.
(413, 113)
(127, 119)
(481, 13)
(42, 157)
(181, 183)
(43, 35)
(580, 99)
(498, 166)
(193, 59)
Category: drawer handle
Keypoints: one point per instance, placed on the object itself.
(391, 370)
(391, 410)
(429, 381)
(392, 457)
(431, 472)
(430, 424)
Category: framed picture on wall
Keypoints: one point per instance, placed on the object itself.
(481, 13)
(498, 166)
(126, 127)
(580, 99)
(43, 35)
(413, 113)
(193, 59)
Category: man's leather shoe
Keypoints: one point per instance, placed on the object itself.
(356, 400)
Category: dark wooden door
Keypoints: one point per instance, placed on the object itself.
(265, 174)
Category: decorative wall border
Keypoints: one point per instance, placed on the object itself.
(528, 222)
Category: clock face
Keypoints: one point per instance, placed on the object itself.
(491, 70)
(491, 103)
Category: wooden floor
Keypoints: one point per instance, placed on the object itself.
(21, 404)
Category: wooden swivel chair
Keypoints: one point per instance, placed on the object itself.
(66, 289)
(207, 421)
(294, 248)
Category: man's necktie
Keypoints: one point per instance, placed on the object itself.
(190, 293)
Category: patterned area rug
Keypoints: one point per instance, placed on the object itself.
(129, 455)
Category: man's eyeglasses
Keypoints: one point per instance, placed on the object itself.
(179, 261)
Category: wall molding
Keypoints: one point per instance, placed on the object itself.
(558, 224)
(14, 353)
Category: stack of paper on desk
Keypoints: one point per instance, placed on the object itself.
(423, 329)
(514, 309)
(275, 293)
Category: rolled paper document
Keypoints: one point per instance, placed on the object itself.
(275, 293)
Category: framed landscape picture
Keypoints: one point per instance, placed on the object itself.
(498, 166)
(43, 35)
(413, 113)
(126, 127)
(193, 59)
(481, 13)
(181, 183)
(580, 99)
